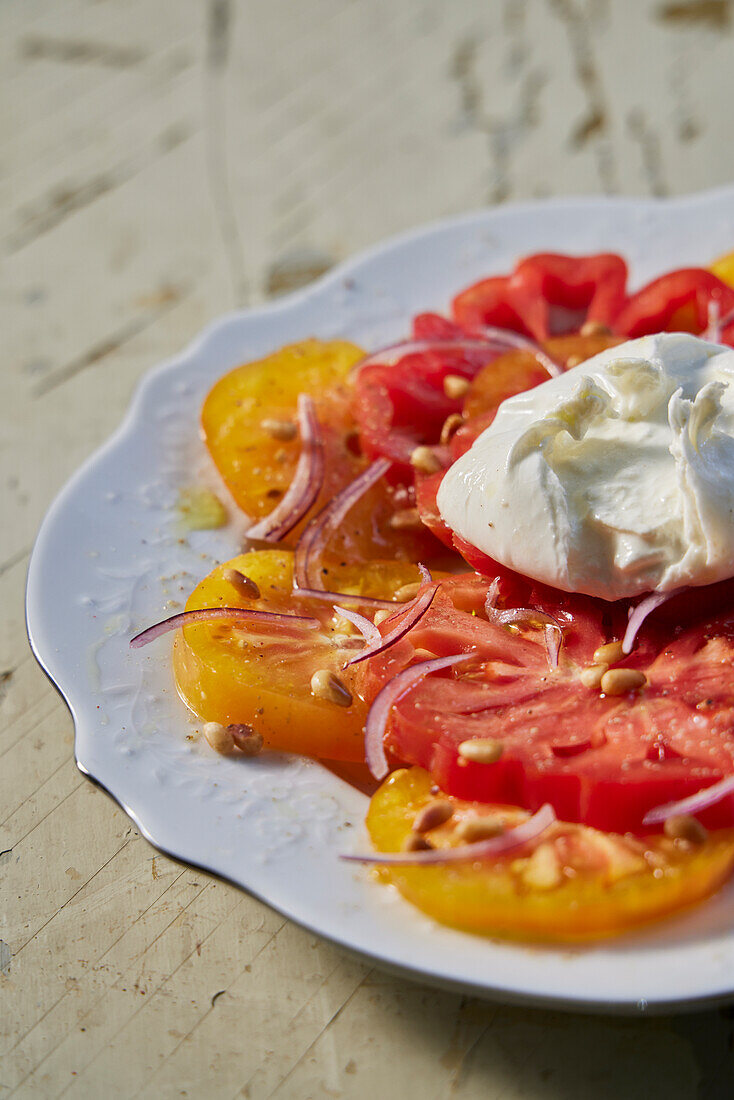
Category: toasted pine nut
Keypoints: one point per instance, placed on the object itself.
(284, 430)
(543, 869)
(247, 740)
(573, 361)
(472, 829)
(414, 842)
(608, 654)
(618, 681)
(243, 585)
(219, 737)
(432, 815)
(594, 328)
(424, 654)
(381, 614)
(591, 676)
(408, 592)
(685, 827)
(424, 459)
(451, 425)
(325, 685)
(455, 386)
(405, 519)
(482, 750)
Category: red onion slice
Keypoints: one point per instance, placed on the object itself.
(553, 642)
(366, 627)
(322, 526)
(521, 343)
(693, 804)
(553, 630)
(307, 480)
(216, 614)
(638, 614)
(345, 597)
(416, 612)
(386, 699)
(425, 573)
(521, 834)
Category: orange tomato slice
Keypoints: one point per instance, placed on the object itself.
(572, 884)
(258, 468)
(235, 674)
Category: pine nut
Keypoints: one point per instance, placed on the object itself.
(246, 739)
(685, 827)
(618, 681)
(414, 842)
(219, 737)
(406, 519)
(608, 654)
(591, 676)
(455, 386)
(573, 361)
(381, 614)
(408, 592)
(482, 750)
(543, 869)
(424, 459)
(594, 328)
(325, 685)
(284, 430)
(450, 427)
(432, 815)
(472, 829)
(243, 585)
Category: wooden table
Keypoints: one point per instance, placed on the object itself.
(163, 162)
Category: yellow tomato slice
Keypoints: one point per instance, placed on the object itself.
(236, 674)
(258, 467)
(572, 884)
(723, 268)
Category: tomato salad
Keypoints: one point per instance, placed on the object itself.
(550, 765)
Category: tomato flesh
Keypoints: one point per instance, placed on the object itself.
(599, 759)
(227, 674)
(571, 884)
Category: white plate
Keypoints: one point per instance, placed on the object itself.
(109, 558)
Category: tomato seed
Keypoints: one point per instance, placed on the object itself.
(405, 519)
(408, 591)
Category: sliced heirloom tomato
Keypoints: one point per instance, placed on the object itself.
(249, 411)
(547, 293)
(404, 405)
(515, 372)
(571, 884)
(601, 759)
(228, 673)
(680, 301)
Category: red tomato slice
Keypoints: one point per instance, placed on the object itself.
(400, 407)
(604, 760)
(678, 301)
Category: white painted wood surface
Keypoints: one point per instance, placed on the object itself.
(161, 162)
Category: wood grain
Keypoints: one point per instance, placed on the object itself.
(162, 163)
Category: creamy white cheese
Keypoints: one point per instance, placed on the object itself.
(615, 478)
